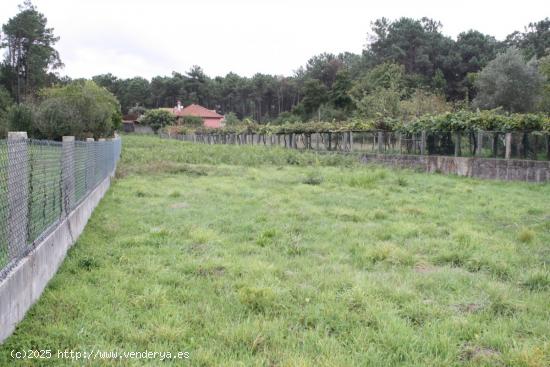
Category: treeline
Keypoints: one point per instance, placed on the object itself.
(408, 68)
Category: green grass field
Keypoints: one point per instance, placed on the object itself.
(256, 256)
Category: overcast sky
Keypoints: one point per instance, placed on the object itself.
(148, 38)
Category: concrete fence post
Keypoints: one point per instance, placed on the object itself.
(458, 148)
(18, 192)
(380, 142)
(479, 143)
(67, 174)
(508, 142)
(399, 142)
(90, 164)
(423, 142)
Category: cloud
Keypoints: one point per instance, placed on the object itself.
(149, 38)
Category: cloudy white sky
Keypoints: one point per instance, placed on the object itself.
(148, 38)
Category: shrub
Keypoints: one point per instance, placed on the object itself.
(81, 108)
(231, 119)
(157, 119)
(192, 121)
(526, 235)
(313, 178)
(137, 111)
(20, 118)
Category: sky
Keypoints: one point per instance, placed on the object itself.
(148, 38)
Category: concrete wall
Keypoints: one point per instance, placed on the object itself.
(500, 169)
(26, 281)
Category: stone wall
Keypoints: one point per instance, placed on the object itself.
(499, 169)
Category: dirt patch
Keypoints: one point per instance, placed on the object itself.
(468, 307)
(181, 205)
(216, 271)
(197, 248)
(424, 268)
(479, 354)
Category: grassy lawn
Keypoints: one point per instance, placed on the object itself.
(258, 256)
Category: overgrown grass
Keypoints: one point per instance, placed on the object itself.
(258, 256)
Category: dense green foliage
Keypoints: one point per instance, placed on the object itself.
(30, 55)
(494, 120)
(81, 108)
(509, 82)
(401, 57)
(157, 119)
(245, 256)
(407, 70)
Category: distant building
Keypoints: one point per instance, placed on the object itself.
(210, 118)
(130, 124)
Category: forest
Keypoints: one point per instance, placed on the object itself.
(407, 63)
(408, 68)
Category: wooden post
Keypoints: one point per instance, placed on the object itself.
(351, 141)
(508, 141)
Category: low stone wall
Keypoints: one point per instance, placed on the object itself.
(25, 283)
(499, 169)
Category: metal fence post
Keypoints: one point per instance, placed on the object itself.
(67, 174)
(508, 142)
(18, 192)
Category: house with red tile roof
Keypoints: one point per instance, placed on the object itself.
(210, 118)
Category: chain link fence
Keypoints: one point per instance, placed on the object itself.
(43, 181)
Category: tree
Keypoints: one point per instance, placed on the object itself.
(509, 82)
(418, 45)
(82, 109)
(470, 53)
(157, 119)
(534, 42)
(231, 119)
(315, 94)
(339, 95)
(30, 53)
(544, 69)
(380, 91)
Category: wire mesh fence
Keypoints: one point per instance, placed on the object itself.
(43, 181)
(533, 145)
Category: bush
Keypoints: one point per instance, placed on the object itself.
(509, 82)
(81, 108)
(192, 121)
(231, 119)
(20, 118)
(137, 111)
(157, 119)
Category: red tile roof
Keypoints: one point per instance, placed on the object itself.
(196, 110)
